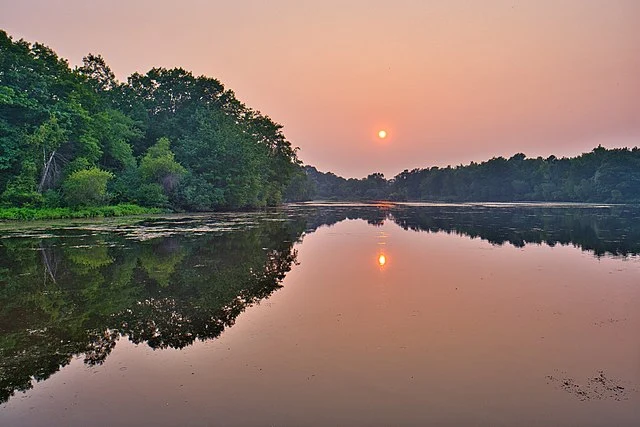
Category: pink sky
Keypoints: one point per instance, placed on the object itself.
(451, 81)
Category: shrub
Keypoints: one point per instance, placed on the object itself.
(87, 187)
(52, 199)
(62, 213)
(152, 195)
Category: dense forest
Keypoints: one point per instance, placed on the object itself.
(78, 137)
(602, 175)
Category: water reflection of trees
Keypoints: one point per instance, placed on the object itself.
(77, 294)
(602, 231)
(613, 231)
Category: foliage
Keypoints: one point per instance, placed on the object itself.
(61, 213)
(159, 166)
(55, 121)
(301, 187)
(602, 175)
(87, 187)
(152, 195)
(21, 189)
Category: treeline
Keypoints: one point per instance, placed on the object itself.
(78, 137)
(602, 175)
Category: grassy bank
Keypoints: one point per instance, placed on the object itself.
(59, 213)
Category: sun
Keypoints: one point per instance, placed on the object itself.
(382, 134)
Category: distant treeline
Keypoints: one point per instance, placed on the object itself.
(602, 175)
(78, 137)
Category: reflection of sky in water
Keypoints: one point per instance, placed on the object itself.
(471, 332)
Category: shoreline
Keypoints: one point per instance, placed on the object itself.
(34, 214)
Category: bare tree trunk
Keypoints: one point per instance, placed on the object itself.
(45, 171)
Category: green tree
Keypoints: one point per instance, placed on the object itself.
(87, 187)
(55, 121)
(224, 160)
(98, 73)
(48, 138)
(160, 167)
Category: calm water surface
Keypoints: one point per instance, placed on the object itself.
(374, 315)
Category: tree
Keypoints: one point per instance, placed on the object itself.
(87, 187)
(160, 167)
(99, 74)
(224, 160)
(55, 121)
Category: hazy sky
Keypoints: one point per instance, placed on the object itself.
(451, 81)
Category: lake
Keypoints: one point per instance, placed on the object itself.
(325, 314)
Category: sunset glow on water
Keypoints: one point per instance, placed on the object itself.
(465, 327)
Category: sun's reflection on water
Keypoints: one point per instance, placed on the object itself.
(382, 260)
